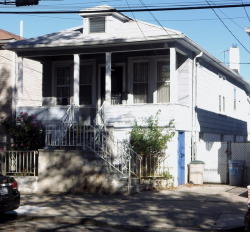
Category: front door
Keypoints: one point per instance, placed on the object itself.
(116, 84)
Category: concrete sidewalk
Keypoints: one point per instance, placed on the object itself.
(185, 208)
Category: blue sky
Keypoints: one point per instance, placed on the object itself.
(202, 26)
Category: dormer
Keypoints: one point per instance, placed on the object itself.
(101, 19)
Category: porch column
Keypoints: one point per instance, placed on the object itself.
(108, 79)
(173, 76)
(20, 81)
(76, 79)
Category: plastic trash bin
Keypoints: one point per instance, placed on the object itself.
(236, 172)
(196, 171)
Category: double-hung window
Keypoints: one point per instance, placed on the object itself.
(163, 81)
(140, 81)
(63, 83)
(86, 77)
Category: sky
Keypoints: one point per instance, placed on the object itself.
(216, 30)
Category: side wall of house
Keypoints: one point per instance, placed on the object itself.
(32, 77)
(7, 65)
(32, 92)
(222, 105)
(184, 75)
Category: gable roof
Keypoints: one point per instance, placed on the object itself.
(5, 35)
(128, 32)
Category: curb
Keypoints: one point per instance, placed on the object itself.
(91, 221)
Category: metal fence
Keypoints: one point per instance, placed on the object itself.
(153, 165)
(216, 156)
(19, 163)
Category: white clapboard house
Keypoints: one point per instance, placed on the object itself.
(113, 69)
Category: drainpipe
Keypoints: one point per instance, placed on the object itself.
(194, 104)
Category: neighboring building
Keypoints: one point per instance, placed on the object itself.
(32, 73)
(137, 69)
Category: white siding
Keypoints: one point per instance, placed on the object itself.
(124, 116)
(210, 85)
(32, 87)
(185, 82)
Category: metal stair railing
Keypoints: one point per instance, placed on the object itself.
(100, 117)
(117, 154)
(55, 133)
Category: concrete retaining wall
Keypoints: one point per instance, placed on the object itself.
(61, 171)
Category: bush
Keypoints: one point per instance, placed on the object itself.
(150, 138)
(27, 133)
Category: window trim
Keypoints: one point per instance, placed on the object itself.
(156, 79)
(152, 93)
(148, 81)
(89, 62)
(54, 82)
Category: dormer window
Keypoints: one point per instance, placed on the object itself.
(97, 25)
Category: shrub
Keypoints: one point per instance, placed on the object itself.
(27, 133)
(150, 138)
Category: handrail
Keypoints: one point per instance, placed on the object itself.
(69, 115)
(99, 119)
(67, 121)
(116, 153)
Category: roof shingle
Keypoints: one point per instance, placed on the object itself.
(5, 35)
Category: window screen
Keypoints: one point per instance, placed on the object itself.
(163, 82)
(140, 85)
(86, 76)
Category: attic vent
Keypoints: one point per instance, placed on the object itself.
(97, 25)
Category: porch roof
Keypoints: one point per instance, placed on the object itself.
(128, 32)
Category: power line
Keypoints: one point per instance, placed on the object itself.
(228, 28)
(246, 12)
(129, 10)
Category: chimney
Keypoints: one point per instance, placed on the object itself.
(234, 58)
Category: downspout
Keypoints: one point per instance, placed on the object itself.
(194, 104)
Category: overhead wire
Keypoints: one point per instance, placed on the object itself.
(142, 30)
(246, 11)
(228, 28)
(153, 7)
(134, 9)
(229, 17)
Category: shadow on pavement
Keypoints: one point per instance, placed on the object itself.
(8, 217)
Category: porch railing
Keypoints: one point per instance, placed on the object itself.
(19, 163)
(116, 153)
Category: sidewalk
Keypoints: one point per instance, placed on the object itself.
(185, 208)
